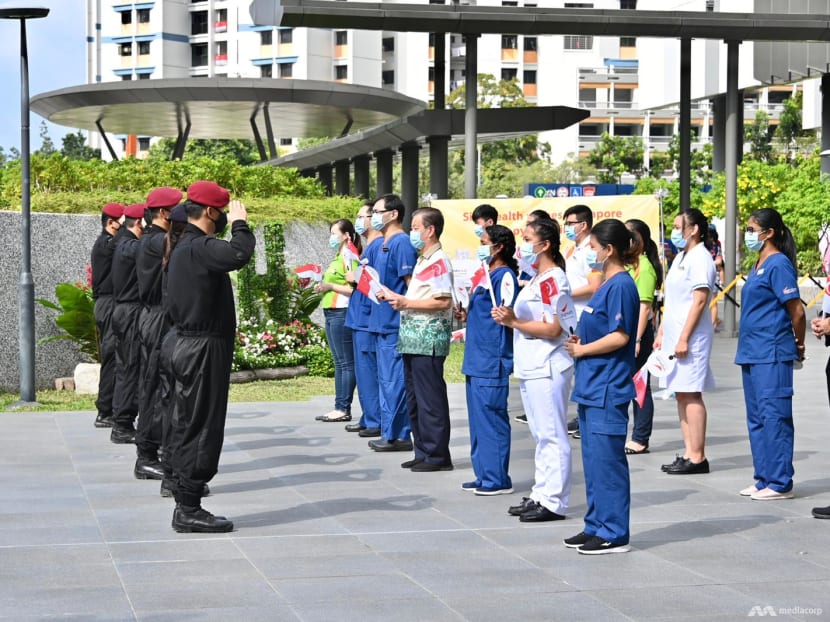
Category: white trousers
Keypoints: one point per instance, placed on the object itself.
(545, 402)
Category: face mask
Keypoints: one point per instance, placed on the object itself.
(570, 232)
(334, 241)
(479, 231)
(527, 253)
(377, 222)
(677, 238)
(593, 260)
(360, 226)
(752, 242)
(483, 252)
(415, 240)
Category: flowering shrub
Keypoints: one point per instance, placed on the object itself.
(262, 345)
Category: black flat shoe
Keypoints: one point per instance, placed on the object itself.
(410, 463)
(678, 459)
(355, 427)
(821, 512)
(689, 468)
(524, 505)
(426, 467)
(396, 445)
(369, 432)
(539, 514)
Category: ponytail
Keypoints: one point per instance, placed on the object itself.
(783, 240)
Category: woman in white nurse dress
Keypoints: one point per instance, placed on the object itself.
(686, 333)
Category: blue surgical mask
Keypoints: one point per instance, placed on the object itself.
(677, 238)
(360, 226)
(528, 255)
(483, 252)
(752, 242)
(479, 231)
(415, 240)
(377, 222)
(570, 232)
(592, 260)
(334, 241)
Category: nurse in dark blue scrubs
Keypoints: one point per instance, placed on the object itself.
(603, 351)
(771, 338)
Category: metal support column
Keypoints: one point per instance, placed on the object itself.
(341, 178)
(730, 241)
(825, 123)
(439, 92)
(439, 165)
(113, 155)
(684, 166)
(718, 133)
(324, 177)
(409, 179)
(269, 131)
(384, 171)
(260, 146)
(361, 175)
(470, 119)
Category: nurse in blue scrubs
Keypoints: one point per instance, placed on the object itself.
(488, 362)
(771, 338)
(603, 350)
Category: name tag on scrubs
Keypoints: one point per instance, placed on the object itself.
(588, 309)
(761, 271)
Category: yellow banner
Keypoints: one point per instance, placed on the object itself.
(460, 241)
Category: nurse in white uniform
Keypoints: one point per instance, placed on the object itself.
(687, 334)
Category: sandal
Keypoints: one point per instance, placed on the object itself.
(337, 417)
(631, 451)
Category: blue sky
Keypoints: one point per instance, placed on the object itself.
(57, 59)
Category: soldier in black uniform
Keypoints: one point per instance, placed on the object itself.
(125, 324)
(201, 306)
(152, 327)
(102, 290)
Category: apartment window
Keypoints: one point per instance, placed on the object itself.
(143, 16)
(198, 54)
(626, 130)
(266, 71)
(126, 18)
(529, 76)
(129, 76)
(530, 44)
(710, 6)
(286, 70)
(579, 5)
(266, 37)
(509, 73)
(509, 42)
(143, 48)
(628, 4)
(579, 42)
(388, 44)
(387, 77)
(628, 42)
(286, 142)
(509, 3)
(287, 36)
(341, 37)
(222, 16)
(199, 23)
(125, 49)
(144, 76)
(341, 72)
(143, 143)
(431, 74)
(222, 51)
(431, 39)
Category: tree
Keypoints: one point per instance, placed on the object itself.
(75, 148)
(239, 150)
(789, 122)
(758, 136)
(47, 147)
(615, 155)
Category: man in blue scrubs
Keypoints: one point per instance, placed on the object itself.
(395, 263)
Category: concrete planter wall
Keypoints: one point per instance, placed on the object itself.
(61, 246)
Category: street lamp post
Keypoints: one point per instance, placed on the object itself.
(22, 12)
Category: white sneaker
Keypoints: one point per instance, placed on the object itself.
(768, 494)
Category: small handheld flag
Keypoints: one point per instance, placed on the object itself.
(640, 379)
(481, 278)
(368, 282)
(310, 271)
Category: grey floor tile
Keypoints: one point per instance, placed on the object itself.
(215, 594)
(390, 588)
(221, 614)
(551, 607)
(378, 609)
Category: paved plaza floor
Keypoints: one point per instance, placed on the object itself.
(328, 530)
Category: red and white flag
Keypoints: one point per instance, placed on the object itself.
(350, 254)
(368, 282)
(640, 383)
(481, 278)
(549, 292)
(311, 271)
(458, 335)
(438, 273)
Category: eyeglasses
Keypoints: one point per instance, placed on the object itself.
(751, 230)
(380, 211)
(573, 222)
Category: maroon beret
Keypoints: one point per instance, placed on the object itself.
(113, 210)
(163, 197)
(209, 194)
(136, 210)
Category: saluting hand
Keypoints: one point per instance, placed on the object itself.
(237, 211)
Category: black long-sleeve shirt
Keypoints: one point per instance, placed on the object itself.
(148, 265)
(199, 293)
(101, 263)
(125, 279)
